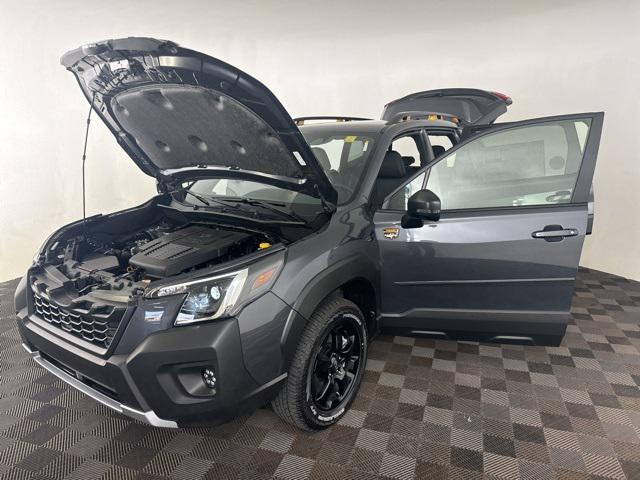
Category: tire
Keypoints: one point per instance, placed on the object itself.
(297, 402)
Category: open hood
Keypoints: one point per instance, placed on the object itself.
(469, 105)
(181, 114)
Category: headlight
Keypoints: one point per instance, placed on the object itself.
(218, 296)
(206, 299)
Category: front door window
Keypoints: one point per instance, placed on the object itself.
(529, 165)
(398, 200)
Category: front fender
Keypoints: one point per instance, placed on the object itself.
(319, 288)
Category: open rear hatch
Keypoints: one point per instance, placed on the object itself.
(181, 114)
(469, 106)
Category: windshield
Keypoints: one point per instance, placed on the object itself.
(229, 187)
(343, 158)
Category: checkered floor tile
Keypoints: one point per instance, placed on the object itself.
(426, 409)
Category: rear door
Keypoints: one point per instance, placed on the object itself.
(500, 263)
(469, 106)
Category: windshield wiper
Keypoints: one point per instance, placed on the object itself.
(267, 206)
(199, 197)
(207, 201)
(231, 202)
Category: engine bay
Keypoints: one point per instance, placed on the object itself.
(115, 267)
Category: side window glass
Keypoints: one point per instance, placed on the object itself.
(399, 199)
(439, 144)
(530, 165)
(407, 148)
(582, 129)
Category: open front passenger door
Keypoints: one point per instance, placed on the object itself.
(501, 261)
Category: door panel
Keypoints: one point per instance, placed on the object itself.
(494, 271)
(479, 268)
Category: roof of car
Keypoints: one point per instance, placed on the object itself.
(362, 127)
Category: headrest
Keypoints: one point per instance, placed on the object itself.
(392, 165)
(408, 161)
(437, 150)
(322, 157)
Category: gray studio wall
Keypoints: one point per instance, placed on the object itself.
(319, 58)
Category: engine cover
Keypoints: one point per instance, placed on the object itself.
(184, 249)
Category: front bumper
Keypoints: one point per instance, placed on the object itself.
(155, 376)
(148, 417)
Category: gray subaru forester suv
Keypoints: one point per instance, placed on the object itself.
(276, 248)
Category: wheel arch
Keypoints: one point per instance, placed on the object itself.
(362, 292)
(354, 278)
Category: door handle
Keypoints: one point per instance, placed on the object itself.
(555, 233)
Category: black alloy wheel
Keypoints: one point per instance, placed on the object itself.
(336, 364)
(327, 367)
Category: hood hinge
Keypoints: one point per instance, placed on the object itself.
(163, 186)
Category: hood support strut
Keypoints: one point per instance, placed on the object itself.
(84, 159)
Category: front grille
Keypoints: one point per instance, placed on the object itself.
(91, 328)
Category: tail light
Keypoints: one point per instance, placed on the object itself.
(502, 96)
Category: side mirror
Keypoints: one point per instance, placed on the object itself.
(424, 205)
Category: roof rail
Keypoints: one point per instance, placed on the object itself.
(300, 120)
